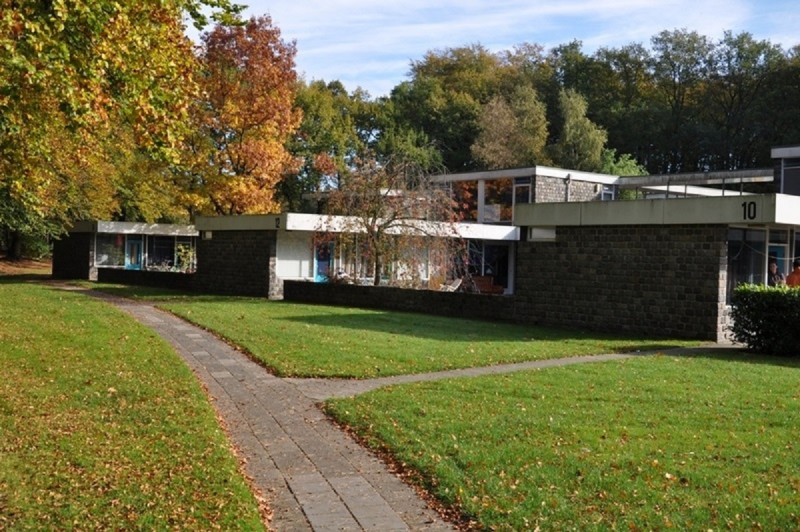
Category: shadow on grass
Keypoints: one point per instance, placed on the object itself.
(16, 278)
(740, 354)
(465, 330)
(418, 324)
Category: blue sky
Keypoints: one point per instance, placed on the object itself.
(370, 44)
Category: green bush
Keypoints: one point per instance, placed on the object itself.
(767, 319)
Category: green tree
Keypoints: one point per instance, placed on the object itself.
(580, 146)
(740, 72)
(512, 133)
(444, 99)
(680, 65)
(325, 143)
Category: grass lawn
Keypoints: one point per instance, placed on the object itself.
(323, 341)
(689, 443)
(102, 426)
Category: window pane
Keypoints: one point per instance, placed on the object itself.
(747, 249)
(110, 250)
(160, 252)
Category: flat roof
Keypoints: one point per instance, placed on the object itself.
(133, 228)
(730, 210)
(786, 152)
(530, 171)
(723, 177)
(339, 224)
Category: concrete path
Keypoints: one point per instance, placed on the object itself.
(313, 476)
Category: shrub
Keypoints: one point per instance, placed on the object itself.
(767, 319)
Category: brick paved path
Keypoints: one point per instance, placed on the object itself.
(313, 476)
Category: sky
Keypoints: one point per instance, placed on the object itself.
(371, 43)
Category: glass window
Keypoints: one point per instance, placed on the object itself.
(498, 201)
(796, 249)
(160, 252)
(747, 249)
(109, 250)
(791, 177)
(465, 194)
(185, 257)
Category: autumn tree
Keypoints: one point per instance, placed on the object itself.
(70, 70)
(512, 133)
(243, 120)
(391, 213)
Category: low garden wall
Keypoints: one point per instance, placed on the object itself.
(456, 304)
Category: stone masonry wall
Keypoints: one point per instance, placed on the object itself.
(654, 280)
(553, 190)
(237, 263)
(456, 304)
(658, 281)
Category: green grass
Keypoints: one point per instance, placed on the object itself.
(102, 426)
(689, 443)
(323, 341)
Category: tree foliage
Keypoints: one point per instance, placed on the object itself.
(512, 133)
(684, 103)
(328, 139)
(243, 120)
(71, 72)
(383, 209)
(580, 146)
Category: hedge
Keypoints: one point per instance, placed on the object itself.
(767, 319)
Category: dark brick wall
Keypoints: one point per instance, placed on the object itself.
(654, 280)
(73, 256)
(658, 281)
(237, 263)
(456, 304)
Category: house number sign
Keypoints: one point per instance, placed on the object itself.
(749, 210)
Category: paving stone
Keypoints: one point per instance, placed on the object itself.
(313, 476)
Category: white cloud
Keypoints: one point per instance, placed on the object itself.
(371, 44)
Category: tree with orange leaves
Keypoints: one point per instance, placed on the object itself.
(243, 120)
(74, 74)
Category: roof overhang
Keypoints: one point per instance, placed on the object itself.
(690, 190)
(758, 209)
(531, 171)
(133, 228)
(244, 222)
(321, 223)
(678, 181)
(786, 152)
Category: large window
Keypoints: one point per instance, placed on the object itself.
(160, 252)
(465, 194)
(151, 252)
(490, 260)
(747, 252)
(790, 177)
(499, 201)
(170, 253)
(110, 250)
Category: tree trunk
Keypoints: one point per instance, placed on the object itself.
(14, 251)
(376, 280)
